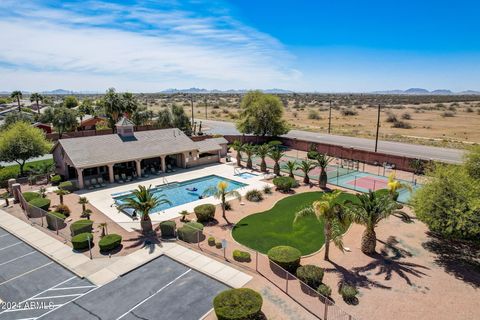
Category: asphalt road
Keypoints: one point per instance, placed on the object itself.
(396, 148)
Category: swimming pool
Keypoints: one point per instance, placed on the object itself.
(178, 194)
(246, 175)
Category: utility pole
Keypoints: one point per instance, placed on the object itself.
(330, 117)
(191, 101)
(206, 112)
(378, 128)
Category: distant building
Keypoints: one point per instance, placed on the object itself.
(45, 127)
(90, 123)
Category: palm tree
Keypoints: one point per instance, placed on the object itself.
(17, 95)
(104, 227)
(238, 147)
(291, 166)
(36, 97)
(323, 160)
(249, 150)
(83, 201)
(262, 151)
(329, 210)
(276, 155)
(306, 166)
(221, 192)
(371, 208)
(395, 185)
(61, 192)
(143, 201)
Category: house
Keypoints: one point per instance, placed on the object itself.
(44, 126)
(90, 123)
(132, 153)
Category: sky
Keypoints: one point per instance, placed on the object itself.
(323, 46)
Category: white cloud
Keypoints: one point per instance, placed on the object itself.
(134, 48)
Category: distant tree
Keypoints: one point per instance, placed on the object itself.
(14, 117)
(181, 120)
(17, 95)
(129, 103)
(261, 114)
(47, 115)
(113, 106)
(70, 102)
(140, 116)
(472, 162)
(36, 97)
(85, 108)
(20, 142)
(64, 120)
(164, 119)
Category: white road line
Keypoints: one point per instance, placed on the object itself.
(60, 296)
(25, 273)
(20, 257)
(15, 244)
(158, 291)
(4, 235)
(43, 292)
(79, 287)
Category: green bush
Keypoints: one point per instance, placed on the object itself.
(254, 195)
(167, 229)
(204, 212)
(63, 209)
(190, 232)
(238, 304)
(284, 184)
(228, 206)
(218, 244)
(67, 185)
(211, 241)
(30, 195)
(311, 275)
(241, 256)
(348, 292)
(6, 174)
(267, 189)
(324, 290)
(110, 242)
(42, 203)
(55, 180)
(81, 226)
(286, 257)
(312, 154)
(80, 241)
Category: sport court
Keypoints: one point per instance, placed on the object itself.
(160, 289)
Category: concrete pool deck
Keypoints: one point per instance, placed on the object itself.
(103, 201)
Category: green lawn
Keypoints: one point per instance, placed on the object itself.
(264, 230)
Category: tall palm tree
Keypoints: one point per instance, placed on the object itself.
(221, 192)
(291, 166)
(394, 186)
(237, 145)
(143, 201)
(249, 150)
(322, 161)
(83, 201)
(113, 105)
(371, 208)
(17, 95)
(276, 155)
(61, 192)
(36, 97)
(329, 210)
(130, 103)
(262, 151)
(306, 166)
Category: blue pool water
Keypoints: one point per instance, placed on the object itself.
(178, 194)
(246, 175)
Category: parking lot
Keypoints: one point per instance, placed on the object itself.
(160, 289)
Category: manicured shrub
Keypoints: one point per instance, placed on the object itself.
(81, 226)
(6, 174)
(110, 242)
(284, 184)
(67, 185)
(55, 220)
(63, 209)
(204, 212)
(311, 275)
(190, 232)
(254, 195)
(312, 154)
(30, 195)
(241, 256)
(42, 203)
(238, 304)
(167, 229)
(348, 292)
(324, 290)
(267, 189)
(286, 257)
(55, 180)
(211, 241)
(80, 241)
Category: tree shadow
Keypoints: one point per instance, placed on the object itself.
(354, 278)
(388, 262)
(458, 258)
(144, 240)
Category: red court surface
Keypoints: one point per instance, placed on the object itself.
(369, 183)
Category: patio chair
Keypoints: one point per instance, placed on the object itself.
(144, 174)
(95, 183)
(88, 185)
(117, 179)
(152, 170)
(125, 178)
(101, 182)
(134, 175)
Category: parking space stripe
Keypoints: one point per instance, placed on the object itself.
(68, 288)
(158, 291)
(15, 244)
(4, 235)
(25, 273)
(59, 296)
(20, 257)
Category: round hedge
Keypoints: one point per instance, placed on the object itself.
(238, 304)
(241, 256)
(67, 185)
(286, 257)
(55, 180)
(204, 212)
(80, 241)
(310, 275)
(28, 196)
(81, 226)
(284, 184)
(324, 290)
(110, 242)
(42, 203)
(190, 232)
(167, 229)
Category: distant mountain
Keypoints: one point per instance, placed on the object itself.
(58, 91)
(198, 90)
(441, 91)
(472, 92)
(416, 91)
(420, 91)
